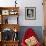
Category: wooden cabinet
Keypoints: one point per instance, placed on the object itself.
(6, 12)
(0, 43)
(5, 26)
(44, 6)
(10, 43)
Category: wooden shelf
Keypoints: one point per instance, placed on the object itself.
(3, 8)
(11, 26)
(10, 43)
(8, 11)
(4, 13)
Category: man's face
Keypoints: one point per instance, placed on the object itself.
(31, 41)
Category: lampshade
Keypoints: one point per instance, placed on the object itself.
(15, 30)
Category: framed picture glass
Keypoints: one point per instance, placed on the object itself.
(5, 12)
(30, 13)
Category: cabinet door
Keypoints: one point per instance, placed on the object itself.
(0, 19)
(10, 44)
(44, 2)
(0, 43)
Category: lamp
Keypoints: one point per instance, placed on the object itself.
(15, 30)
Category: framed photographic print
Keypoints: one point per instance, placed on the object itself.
(5, 12)
(30, 13)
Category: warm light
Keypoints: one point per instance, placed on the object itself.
(15, 30)
(12, 10)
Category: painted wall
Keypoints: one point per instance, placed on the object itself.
(39, 13)
(26, 3)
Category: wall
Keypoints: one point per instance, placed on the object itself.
(39, 12)
(36, 24)
(27, 3)
(44, 12)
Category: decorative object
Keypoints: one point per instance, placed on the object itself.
(15, 3)
(30, 13)
(6, 21)
(13, 12)
(5, 12)
(7, 34)
(15, 30)
(15, 37)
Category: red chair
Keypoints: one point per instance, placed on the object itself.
(29, 33)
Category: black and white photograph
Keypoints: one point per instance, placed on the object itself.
(30, 13)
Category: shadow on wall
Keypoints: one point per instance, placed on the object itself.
(37, 29)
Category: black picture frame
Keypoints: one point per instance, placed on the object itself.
(30, 13)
